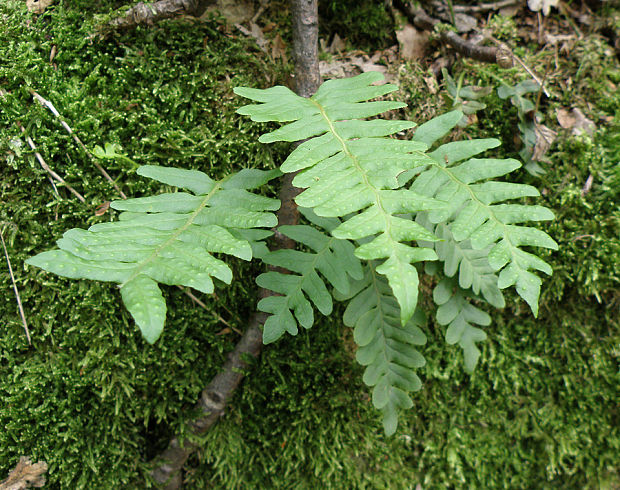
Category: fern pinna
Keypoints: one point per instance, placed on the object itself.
(375, 205)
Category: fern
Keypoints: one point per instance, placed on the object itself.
(376, 206)
(167, 239)
(332, 257)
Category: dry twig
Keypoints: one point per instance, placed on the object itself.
(51, 107)
(46, 166)
(19, 301)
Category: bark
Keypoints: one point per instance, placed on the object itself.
(149, 13)
(168, 465)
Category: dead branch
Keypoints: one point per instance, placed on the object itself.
(422, 20)
(25, 475)
(150, 13)
(168, 465)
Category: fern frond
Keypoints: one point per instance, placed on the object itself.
(167, 239)
(332, 258)
(473, 212)
(460, 315)
(349, 166)
(386, 347)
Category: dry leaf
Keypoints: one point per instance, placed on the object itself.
(588, 185)
(431, 83)
(25, 475)
(235, 11)
(544, 139)
(412, 43)
(464, 22)
(576, 121)
(101, 210)
(337, 45)
(38, 6)
(278, 49)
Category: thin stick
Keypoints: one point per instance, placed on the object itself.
(484, 7)
(19, 301)
(51, 107)
(46, 166)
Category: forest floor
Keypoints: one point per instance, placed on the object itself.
(93, 401)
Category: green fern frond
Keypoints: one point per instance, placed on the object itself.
(167, 239)
(460, 315)
(386, 347)
(349, 166)
(332, 258)
(473, 212)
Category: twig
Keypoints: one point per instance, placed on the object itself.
(46, 166)
(51, 107)
(422, 20)
(485, 7)
(19, 301)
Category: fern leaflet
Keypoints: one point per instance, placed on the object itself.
(332, 257)
(167, 239)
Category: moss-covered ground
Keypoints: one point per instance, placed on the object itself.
(91, 398)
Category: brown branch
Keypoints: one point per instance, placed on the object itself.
(150, 13)
(422, 20)
(168, 465)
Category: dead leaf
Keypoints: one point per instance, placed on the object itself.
(565, 118)
(235, 11)
(582, 124)
(101, 210)
(337, 45)
(224, 331)
(38, 6)
(588, 185)
(53, 52)
(278, 49)
(25, 475)
(431, 83)
(464, 22)
(544, 139)
(576, 121)
(412, 43)
(544, 5)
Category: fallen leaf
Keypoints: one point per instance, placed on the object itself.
(588, 185)
(576, 121)
(544, 139)
(412, 43)
(544, 5)
(38, 6)
(431, 83)
(235, 11)
(582, 124)
(337, 45)
(278, 49)
(101, 210)
(464, 22)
